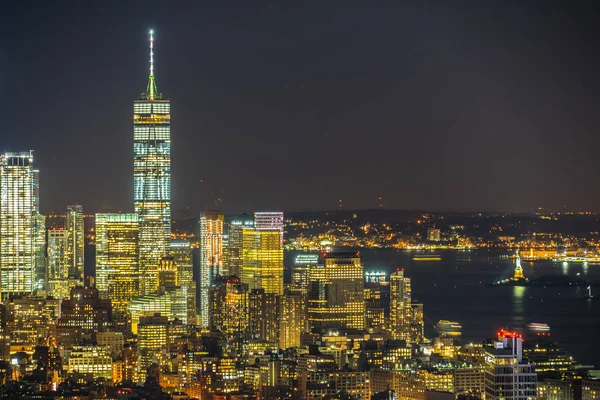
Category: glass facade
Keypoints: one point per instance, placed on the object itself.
(211, 259)
(75, 241)
(117, 266)
(152, 180)
(262, 260)
(22, 229)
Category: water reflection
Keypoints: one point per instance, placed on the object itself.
(585, 268)
(518, 298)
(565, 267)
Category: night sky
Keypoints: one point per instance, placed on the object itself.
(432, 105)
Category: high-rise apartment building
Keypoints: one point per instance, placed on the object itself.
(75, 241)
(117, 267)
(336, 292)
(293, 318)
(22, 248)
(211, 258)
(507, 377)
(152, 177)
(263, 316)
(401, 310)
(58, 285)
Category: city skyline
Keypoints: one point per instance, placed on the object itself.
(442, 134)
(272, 304)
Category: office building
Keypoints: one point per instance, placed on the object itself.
(301, 269)
(269, 221)
(172, 304)
(75, 242)
(377, 293)
(590, 389)
(27, 319)
(151, 343)
(117, 266)
(506, 375)
(293, 318)
(22, 267)
(262, 259)
(94, 361)
(336, 293)
(85, 311)
(211, 259)
(233, 266)
(181, 251)
(152, 177)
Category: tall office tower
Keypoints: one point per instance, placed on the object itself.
(336, 292)
(75, 241)
(117, 267)
(263, 316)
(400, 306)
(58, 285)
(269, 221)
(152, 177)
(262, 260)
(41, 264)
(229, 309)
(152, 343)
(417, 325)
(22, 267)
(211, 259)
(181, 251)
(234, 245)
(375, 294)
(301, 269)
(293, 318)
(506, 375)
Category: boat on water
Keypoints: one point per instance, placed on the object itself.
(427, 257)
(538, 327)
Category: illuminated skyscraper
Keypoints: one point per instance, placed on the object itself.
(117, 267)
(75, 241)
(269, 221)
(211, 258)
(336, 292)
(152, 342)
(234, 245)
(300, 271)
(263, 316)
(293, 318)
(406, 317)
(229, 309)
(152, 177)
(181, 251)
(22, 228)
(59, 285)
(507, 376)
(262, 259)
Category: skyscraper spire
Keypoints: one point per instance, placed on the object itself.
(151, 90)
